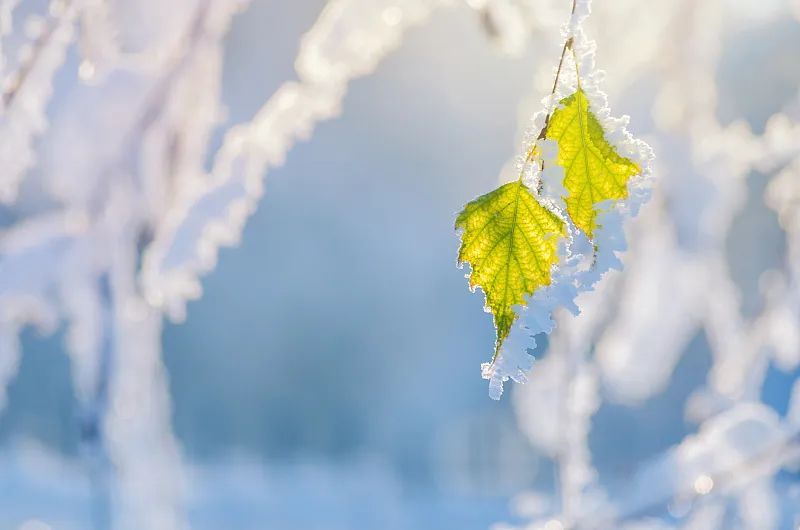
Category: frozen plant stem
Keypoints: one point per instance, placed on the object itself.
(543, 133)
(567, 46)
(41, 43)
(782, 452)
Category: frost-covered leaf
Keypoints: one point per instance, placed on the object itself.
(510, 240)
(593, 170)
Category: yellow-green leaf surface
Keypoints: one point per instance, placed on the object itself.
(593, 170)
(510, 240)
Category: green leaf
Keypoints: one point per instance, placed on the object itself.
(593, 171)
(511, 241)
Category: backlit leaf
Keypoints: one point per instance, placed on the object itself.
(593, 171)
(511, 241)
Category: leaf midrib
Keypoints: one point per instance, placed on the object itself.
(508, 262)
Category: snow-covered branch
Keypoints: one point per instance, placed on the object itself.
(348, 40)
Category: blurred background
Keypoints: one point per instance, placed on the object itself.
(328, 376)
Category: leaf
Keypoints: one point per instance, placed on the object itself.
(593, 171)
(511, 241)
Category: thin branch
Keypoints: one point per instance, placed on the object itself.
(9, 96)
(781, 452)
(154, 104)
(577, 68)
(543, 133)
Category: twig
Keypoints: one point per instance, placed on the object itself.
(25, 70)
(567, 46)
(543, 133)
(782, 451)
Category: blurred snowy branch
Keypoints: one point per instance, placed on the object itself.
(27, 90)
(348, 40)
(107, 196)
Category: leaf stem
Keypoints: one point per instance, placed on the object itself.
(567, 46)
(543, 133)
(577, 69)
